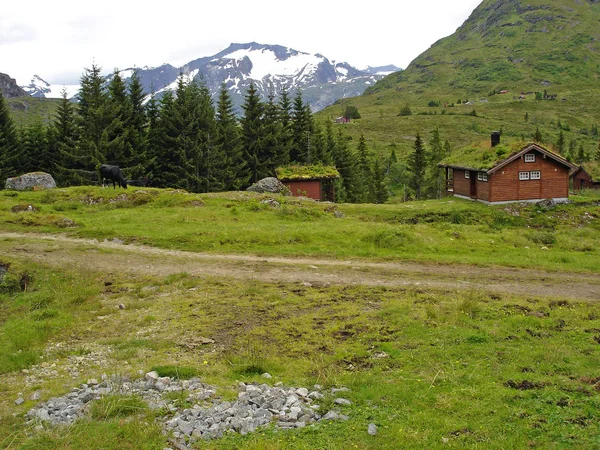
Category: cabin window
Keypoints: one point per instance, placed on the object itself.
(530, 157)
(467, 174)
(536, 175)
(480, 176)
(523, 175)
(484, 176)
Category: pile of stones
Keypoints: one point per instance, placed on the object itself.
(209, 417)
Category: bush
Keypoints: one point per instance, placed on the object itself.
(405, 111)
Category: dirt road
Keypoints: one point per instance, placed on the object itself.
(61, 251)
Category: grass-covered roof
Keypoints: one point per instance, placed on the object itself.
(593, 169)
(483, 156)
(298, 172)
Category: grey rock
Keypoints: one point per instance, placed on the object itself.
(36, 395)
(342, 401)
(372, 430)
(270, 184)
(19, 401)
(31, 180)
(152, 377)
(266, 375)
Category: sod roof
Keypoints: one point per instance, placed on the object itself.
(484, 157)
(593, 169)
(315, 172)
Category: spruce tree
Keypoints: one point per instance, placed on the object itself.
(435, 174)
(252, 133)
(163, 138)
(270, 147)
(116, 148)
(36, 151)
(581, 156)
(320, 150)
(228, 139)
(302, 128)
(285, 119)
(537, 136)
(63, 141)
(10, 153)
(152, 162)
(137, 129)
(379, 184)
(92, 122)
(418, 165)
(560, 143)
(347, 186)
(365, 176)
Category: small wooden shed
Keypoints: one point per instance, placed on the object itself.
(316, 182)
(586, 176)
(505, 173)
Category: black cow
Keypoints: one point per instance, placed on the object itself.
(108, 172)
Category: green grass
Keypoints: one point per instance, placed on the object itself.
(442, 231)
(432, 368)
(424, 365)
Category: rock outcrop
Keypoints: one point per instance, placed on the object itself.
(270, 184)
(10, 88)
(30, 181)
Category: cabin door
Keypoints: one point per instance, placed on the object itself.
(473, 179)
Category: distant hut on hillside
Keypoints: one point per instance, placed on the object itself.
(316, 182)
(586, 176)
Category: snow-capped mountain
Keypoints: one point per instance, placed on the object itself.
(270, 67)
(39, 87)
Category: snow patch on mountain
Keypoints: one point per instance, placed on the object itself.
(38, 87)
(265, 62)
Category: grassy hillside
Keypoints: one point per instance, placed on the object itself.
(507, 45)
(431, 367)
(25, 110)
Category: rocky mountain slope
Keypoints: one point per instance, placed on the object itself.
(9, 87)
(269, 66)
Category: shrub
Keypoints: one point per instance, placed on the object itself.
(405, 111)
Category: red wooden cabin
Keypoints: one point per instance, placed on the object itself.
(508, 173)
(586, 176)
(316, 182)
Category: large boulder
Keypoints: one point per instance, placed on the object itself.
(30, 181)
(270, 184)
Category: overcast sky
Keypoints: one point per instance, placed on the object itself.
(58, 39)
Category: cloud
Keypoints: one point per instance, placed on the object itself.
(11, 33)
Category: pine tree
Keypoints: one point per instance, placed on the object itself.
(347, 185)
(435, 174)
(137, 129)
(116, 148)
(152, 162)
(537, 136)
(36, 151)
(418, 165)
(10, 153)
(92, 121)
(380, 187)
(63, 141)
(285, 119)
(228, 139)
(252, 133)
(271, 157)
(163, 139)
(302, 128)
(320, 152)
(560, 143)
(581, 156)
(365, 176)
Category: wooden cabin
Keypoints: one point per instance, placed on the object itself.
(316, 182)
(586, 176)
(500, 173)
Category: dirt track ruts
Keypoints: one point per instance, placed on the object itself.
(62, 251)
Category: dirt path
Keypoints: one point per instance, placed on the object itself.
(106, 256)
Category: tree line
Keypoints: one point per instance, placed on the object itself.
(183, 140)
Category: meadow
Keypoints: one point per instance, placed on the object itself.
(431, 367)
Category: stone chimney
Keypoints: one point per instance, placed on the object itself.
(495, 138)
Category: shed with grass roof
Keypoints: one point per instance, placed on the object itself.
(316, 182)
(587, 176)
(502, 173)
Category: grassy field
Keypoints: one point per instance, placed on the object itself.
(432, 368)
